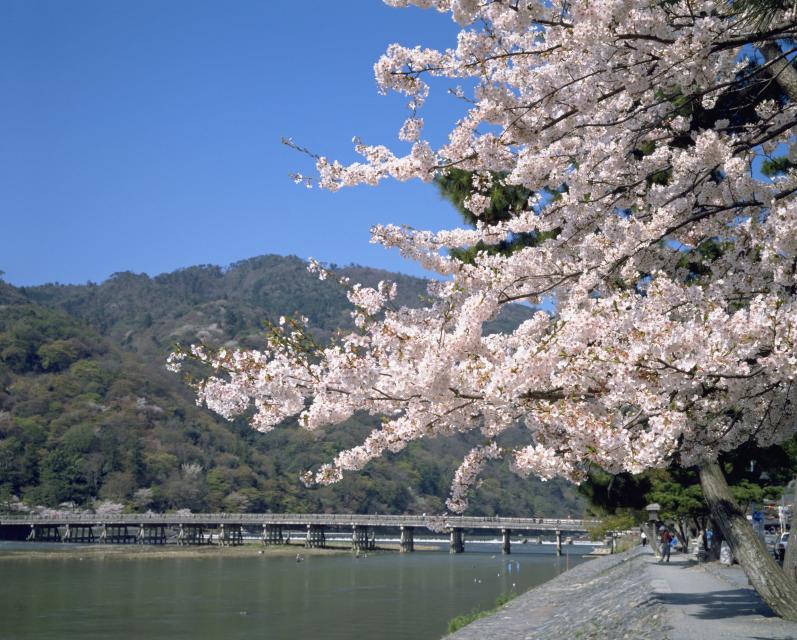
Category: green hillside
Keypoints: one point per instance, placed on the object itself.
(88, 411)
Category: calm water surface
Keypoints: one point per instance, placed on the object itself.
(386, 596)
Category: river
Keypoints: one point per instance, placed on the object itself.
(384, 596)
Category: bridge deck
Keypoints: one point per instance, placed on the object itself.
(434, 523)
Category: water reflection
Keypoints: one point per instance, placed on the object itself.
(386, 595)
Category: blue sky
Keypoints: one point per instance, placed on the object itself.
(144, 135)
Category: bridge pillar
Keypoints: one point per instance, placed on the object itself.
(457, 544)
(81, 533)
(191, 534)
(407, 542)
(114, 534)
(230, 536)
(558, 542)
(66, 536)
(44, 533)
(315, 536)
(151, 534)
(360, 540)
(505, 545)
(237, 535)
(272, 534)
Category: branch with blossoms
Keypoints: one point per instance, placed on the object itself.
(636, 125)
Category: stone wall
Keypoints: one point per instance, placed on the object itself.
(606, 598)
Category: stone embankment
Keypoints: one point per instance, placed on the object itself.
(630, 596)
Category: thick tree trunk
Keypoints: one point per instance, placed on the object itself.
(790, 561)
(785, 75)
(767, 578)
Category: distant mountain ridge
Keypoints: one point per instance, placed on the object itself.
(208, 301)
(87, 409)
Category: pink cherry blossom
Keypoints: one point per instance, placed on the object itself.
(644, 363)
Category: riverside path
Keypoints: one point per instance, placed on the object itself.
(274, 528)
(631, 596)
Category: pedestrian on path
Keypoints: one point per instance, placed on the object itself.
(665, 538)
(644, 539)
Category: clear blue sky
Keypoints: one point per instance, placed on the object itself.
(144, 135)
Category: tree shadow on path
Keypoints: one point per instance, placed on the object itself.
(716, 605)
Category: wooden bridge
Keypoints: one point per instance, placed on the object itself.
(273, 528)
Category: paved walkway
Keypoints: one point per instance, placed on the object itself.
(631, 596)
(711, 601)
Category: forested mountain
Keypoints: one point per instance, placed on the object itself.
(206, 302)
(87, 409)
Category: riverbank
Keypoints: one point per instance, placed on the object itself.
(45, 551)
(131, 551)
(629, 595)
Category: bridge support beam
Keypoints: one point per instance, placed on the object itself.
(457, 544)
(115, 534)
(44, 533)
(558, 542)
(78, 533)
(362, 539)
(237, 535)
(230, 535)
(189, 534)
(151, 534)
(407, 540)
(315, 536)
(505, 544)
(272, 534)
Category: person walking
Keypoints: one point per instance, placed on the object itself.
(665, 539)
(644, 539)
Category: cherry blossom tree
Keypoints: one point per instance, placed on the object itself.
(635, 127)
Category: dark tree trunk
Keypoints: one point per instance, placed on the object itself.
(713, 554)
(790, 561)
(767, 578)
(682, 534)
(782, 71)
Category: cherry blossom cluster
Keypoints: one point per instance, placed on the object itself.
(674, 269)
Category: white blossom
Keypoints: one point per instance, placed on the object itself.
(645, 362)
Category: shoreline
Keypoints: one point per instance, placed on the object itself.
(613, 598)
(631, 595)
(93, 551)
